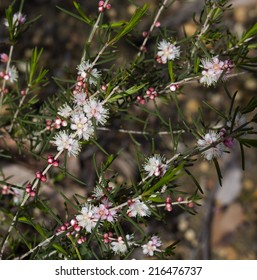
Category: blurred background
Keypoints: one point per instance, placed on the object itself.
(226, 224)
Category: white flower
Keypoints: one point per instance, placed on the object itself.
(119, 246)
(213, 70)
(167, 51)
(95, 109)
(86, 71)
(64, 141)
(18, 19)
(12, 75)
(137, 207)
(98, 192)
(80, 98)
(82, 125)
(87, 218)
(65, 111)
(155, 166)
(213, 152)
(151, 246)
(17, 195)
(103, 213)
(239, 121)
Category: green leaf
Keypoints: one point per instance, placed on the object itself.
(218, 171)
(131, 24)
(194, 180)
(128, 92)
(249, 142)
(249, 33)
(82, 14)
(59, 249)
(242, 155)
(73, 15)
(252, 104)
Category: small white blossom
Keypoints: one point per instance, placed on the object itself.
(82, 125)
(151, 246)
(79, 99)
(18, 19)
(214, 69)
(87, 219)
(167, 51)
(65, 111)
(239, 121)
(98, 192)
(213, 152)
(155, 166)
(86, 71)
(64, 141)
(119, 246)
(17, 195)
(12, 75)
(139, 208)
(95, 109)
(103, 213)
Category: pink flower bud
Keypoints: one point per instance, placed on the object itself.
(38, 174)
(100, 9)
(108, 6)
(100, 3)
(145, 33)
(73, 222)
(157, 24)
(43, 178)
(4, 57)
(32, 194)
(56, 163)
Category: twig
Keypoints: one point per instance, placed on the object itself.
(152, 27)
(139, 132)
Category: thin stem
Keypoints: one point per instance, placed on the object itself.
(139, 132)
(203, 29)
(93, 31)
(152, 27)
(26, 197)
(6, 70)
(18, 110)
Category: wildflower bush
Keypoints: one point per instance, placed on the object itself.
(104, 96)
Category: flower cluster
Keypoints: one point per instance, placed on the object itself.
(167, 51)
(211, 152)
(156, 166)
(92, 215)
(214, 69)
(152, 246)
(82, 115)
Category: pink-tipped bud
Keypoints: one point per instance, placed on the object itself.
(23, 92)
(64, 123)
(73, 222)
(106, 235)
(77, 228)
(43, 178)
(168, 199)
(38, 174)
(50, 160)
(32, 194)
(63, 228)
(157, 24)
(58, 121)
(56, 163)
(168, 207)
(101, 9)
(28, 189)
(4, 57)
(68, 233)
(190, 205)
(104, 87)
(179, 199)
(6, 77)
(144, 33)
(173, 88)
(100, 3)
(108, 6)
